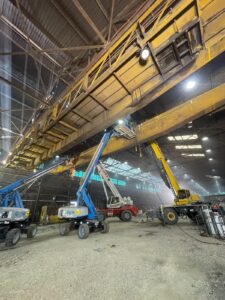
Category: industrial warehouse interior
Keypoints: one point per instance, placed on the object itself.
(112, 173)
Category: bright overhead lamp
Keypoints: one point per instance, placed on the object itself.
(190, 84)
(210, 158)
(188, 146)
(183, 137)
(144, 54)
(205, 138)
(57, 156)
(193, 154)
(120, 122)
(35, 170)
(208, 150)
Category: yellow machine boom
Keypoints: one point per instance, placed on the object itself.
(182, 196)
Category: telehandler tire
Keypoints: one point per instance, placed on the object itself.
(12, 237)
(64, 229)
(83, 231)
(125, 216)
(170, 216)
(31, 231)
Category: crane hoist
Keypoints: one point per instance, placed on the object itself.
(14, 218)
(185, 203)
(116, 206)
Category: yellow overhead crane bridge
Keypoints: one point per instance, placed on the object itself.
(182, 36)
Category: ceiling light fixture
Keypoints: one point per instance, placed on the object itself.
(210, 158)
(193, 154)
(188, 146)
(205, 138)
(120, 122)
(208, 150)
(183, 137)
(190, 84)
(144, 54)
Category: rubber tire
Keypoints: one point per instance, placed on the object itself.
(12, 237)
(31, 231)
(64, 229)
(105, 227)
(166, 213)
(126, 216)
(83, 231)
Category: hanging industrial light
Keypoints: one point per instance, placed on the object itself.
(144, 55)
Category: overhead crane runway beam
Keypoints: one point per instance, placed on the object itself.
(187, 32)
(163, 124)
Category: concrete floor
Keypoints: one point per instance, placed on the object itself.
(133, 261)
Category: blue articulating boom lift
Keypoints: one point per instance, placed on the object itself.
(14, 218)
(82, 212)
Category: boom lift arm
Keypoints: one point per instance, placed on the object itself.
(14, 218)
(82, 194)
(115, 200)
(83, 213)
(10, 196)
(185, 203)
(182, 196)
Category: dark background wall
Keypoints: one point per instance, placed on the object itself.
(57, 190)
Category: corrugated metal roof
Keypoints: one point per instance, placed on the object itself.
(36, 25)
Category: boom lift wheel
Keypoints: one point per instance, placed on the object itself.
(64, 228)
(83, 231)
(170, 216)
(31, 231)
(125, 216)
(12, 237)
(105, 227)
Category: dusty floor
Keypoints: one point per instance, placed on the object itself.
(133, 261)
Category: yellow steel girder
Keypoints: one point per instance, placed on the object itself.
(194, 28)
(164, 123)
